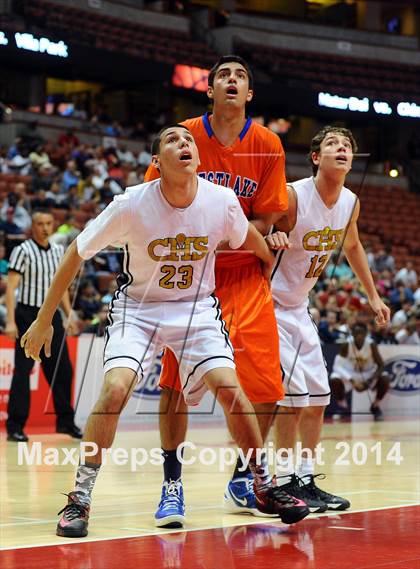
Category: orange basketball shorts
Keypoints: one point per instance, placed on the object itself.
(248, 311)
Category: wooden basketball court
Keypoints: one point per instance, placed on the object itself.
(380, 530)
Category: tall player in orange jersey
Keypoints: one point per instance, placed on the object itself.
(245, 156)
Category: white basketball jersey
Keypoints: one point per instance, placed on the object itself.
(361, 360)
(169, 252)
(319, 230)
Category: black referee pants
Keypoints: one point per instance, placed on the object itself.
(57, 370)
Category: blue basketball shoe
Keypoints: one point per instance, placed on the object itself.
(171, 509)
(239, 497)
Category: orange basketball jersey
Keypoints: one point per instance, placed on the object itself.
(254, 167)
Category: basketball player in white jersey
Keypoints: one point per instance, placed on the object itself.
(322, 212)
(169, 229)
(359, 366)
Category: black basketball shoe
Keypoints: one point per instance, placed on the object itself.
(333, 502)
(297, 489)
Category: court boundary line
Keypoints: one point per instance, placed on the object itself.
(152, 533)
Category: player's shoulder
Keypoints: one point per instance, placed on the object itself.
(264, 135)
(302, 183)
(194, 124)
(134, 193)
(348, 193)
(215, 193)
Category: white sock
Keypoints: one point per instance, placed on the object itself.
(306, 469)
(285, 469)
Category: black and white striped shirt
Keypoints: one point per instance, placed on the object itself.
(37, 265)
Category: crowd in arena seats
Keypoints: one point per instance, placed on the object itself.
(75, 181)
(338, 300)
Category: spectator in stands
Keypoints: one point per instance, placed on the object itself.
(400, 295)
(113, 129)
(384, 283)
(41, 201)
(43, 177)
(31, 136)
(54, 194)
(20, 216)
(22, 196)
(370, 255)
(410, 332)
(66, 232)
(144, 157)
(110, 189)
(383, 335)
(407, 275)
(417, 297)
(72, 200)
(402, 315)
(88, 302)
(384, 260)
(68, 139)
(139, 132)
(13, 235)
(339, 268)
(99, 322)
(93, 125)
(20, 163)
(4, 264)
(71, 176)
(89, 192)
(328, 329)
(125, 155)
(39, 158)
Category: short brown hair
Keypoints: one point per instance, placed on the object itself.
(319, 137)
(158, 138)
(231, 59)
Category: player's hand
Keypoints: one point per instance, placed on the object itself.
(382, 312)
(278, 240)
(37, 336)
(11, 331)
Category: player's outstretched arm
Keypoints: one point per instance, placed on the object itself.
(357, 259)
(40, 333)
(255, 242)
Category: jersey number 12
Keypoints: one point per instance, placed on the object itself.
(318, 263)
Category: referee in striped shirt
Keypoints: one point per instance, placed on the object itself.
(31, 268)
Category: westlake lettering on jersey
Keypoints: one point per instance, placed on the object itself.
(179, 248)
(326, 239)
(242, 186)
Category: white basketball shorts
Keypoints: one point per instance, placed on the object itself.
(344, 370)
(305, 376)
(195, 332)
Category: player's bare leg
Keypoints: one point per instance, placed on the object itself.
(288, 422)
(311, 426)
(173, 418)
(100, 431)
(265, 413)
(310, 430)
(243, 425)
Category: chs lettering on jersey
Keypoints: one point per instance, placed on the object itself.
(169, 252)
(319, 231)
